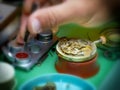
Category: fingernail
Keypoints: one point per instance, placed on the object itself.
(36, 25)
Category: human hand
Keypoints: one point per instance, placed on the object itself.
(85, 12)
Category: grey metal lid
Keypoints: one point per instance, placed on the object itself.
(45, 36)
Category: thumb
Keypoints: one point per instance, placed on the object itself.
(55, 15)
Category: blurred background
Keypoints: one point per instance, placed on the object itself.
(10, 12)
(13, 2)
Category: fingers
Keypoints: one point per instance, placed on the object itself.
(43, 18)
(20, 36)
(52, 16)
(24, 19)
(62, 13)
(49, 17)
(26, 12)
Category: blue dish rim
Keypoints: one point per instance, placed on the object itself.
(58, 74)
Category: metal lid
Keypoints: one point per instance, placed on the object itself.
(45, 36)
(76, 50)
(13, 47)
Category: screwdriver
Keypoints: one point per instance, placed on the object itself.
(34, 7)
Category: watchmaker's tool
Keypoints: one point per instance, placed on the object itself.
(34, 52)
(26, 38)
(102, 40)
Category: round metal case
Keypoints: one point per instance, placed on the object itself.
(76, 50)
(77, 57)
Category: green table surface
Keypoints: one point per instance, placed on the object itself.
(48, 66)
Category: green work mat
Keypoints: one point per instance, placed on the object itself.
(48, 66)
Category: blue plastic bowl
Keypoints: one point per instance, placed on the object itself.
(62, 82)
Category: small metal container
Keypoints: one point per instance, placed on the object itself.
(76, 50)
(13, 47)
(78, 58)
(22, 57)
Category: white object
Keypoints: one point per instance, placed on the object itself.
(6, 72)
